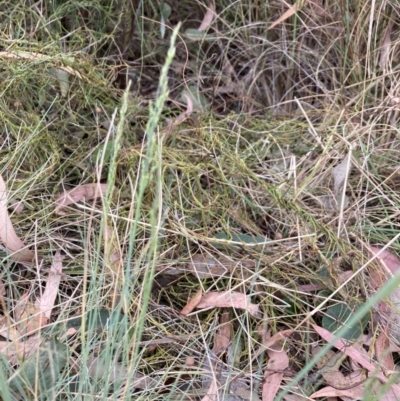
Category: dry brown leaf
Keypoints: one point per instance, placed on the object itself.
(292, 10)
(349, 350)
(385, 47)
(16, 352)
(8, 235)
(294, 397)
(388, 309)
(203, 267)
(340, 175)
(383, 353)
(45, 303)
(8, 331)
(222, 337)
(278, 362)
(329, 367)
(16, 206)
(27, 317)
(30, 317)
(193, 302)
(229, 299)
(82, 192)
(355, 393)
(212, 392)
(208, 18)
(281, 335)
(2, 289)
(208, 266)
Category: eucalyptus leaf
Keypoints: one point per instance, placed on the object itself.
(337, 316)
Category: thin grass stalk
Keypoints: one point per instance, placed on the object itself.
(149, 166)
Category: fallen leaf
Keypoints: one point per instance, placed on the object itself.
(273, 374)
(7, 330)
(212, 392)
(383, 353)
(221, 383)
(16, 351)
(8, 235)
(46, 302)
(30, 317)
(16, 206)
(340, 175)
(192, 304)
(27, 317)
(46, 364)
(208, 18)
(292, 10)
(389, 308)
(329, 367)
(229, 299)
(355, 393)
(222, 336)
(386, 261)
(82, 192)
(281, 335)
(385, 47)
(2, 289)
(349, 350)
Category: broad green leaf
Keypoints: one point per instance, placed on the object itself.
(337, 316)
(165, 11)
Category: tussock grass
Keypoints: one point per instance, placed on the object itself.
(286, 105)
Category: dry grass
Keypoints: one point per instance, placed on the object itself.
(285, 106)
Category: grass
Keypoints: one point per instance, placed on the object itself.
(91, 93)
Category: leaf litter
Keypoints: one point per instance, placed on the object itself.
(217, 170)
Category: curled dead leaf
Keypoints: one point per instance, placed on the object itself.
(193, 302)
(278, 361)
(222, 337)
(208, 18)
(229, 299)
(46, 302)
(82, 192)
(8, 235)
(389, 308)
